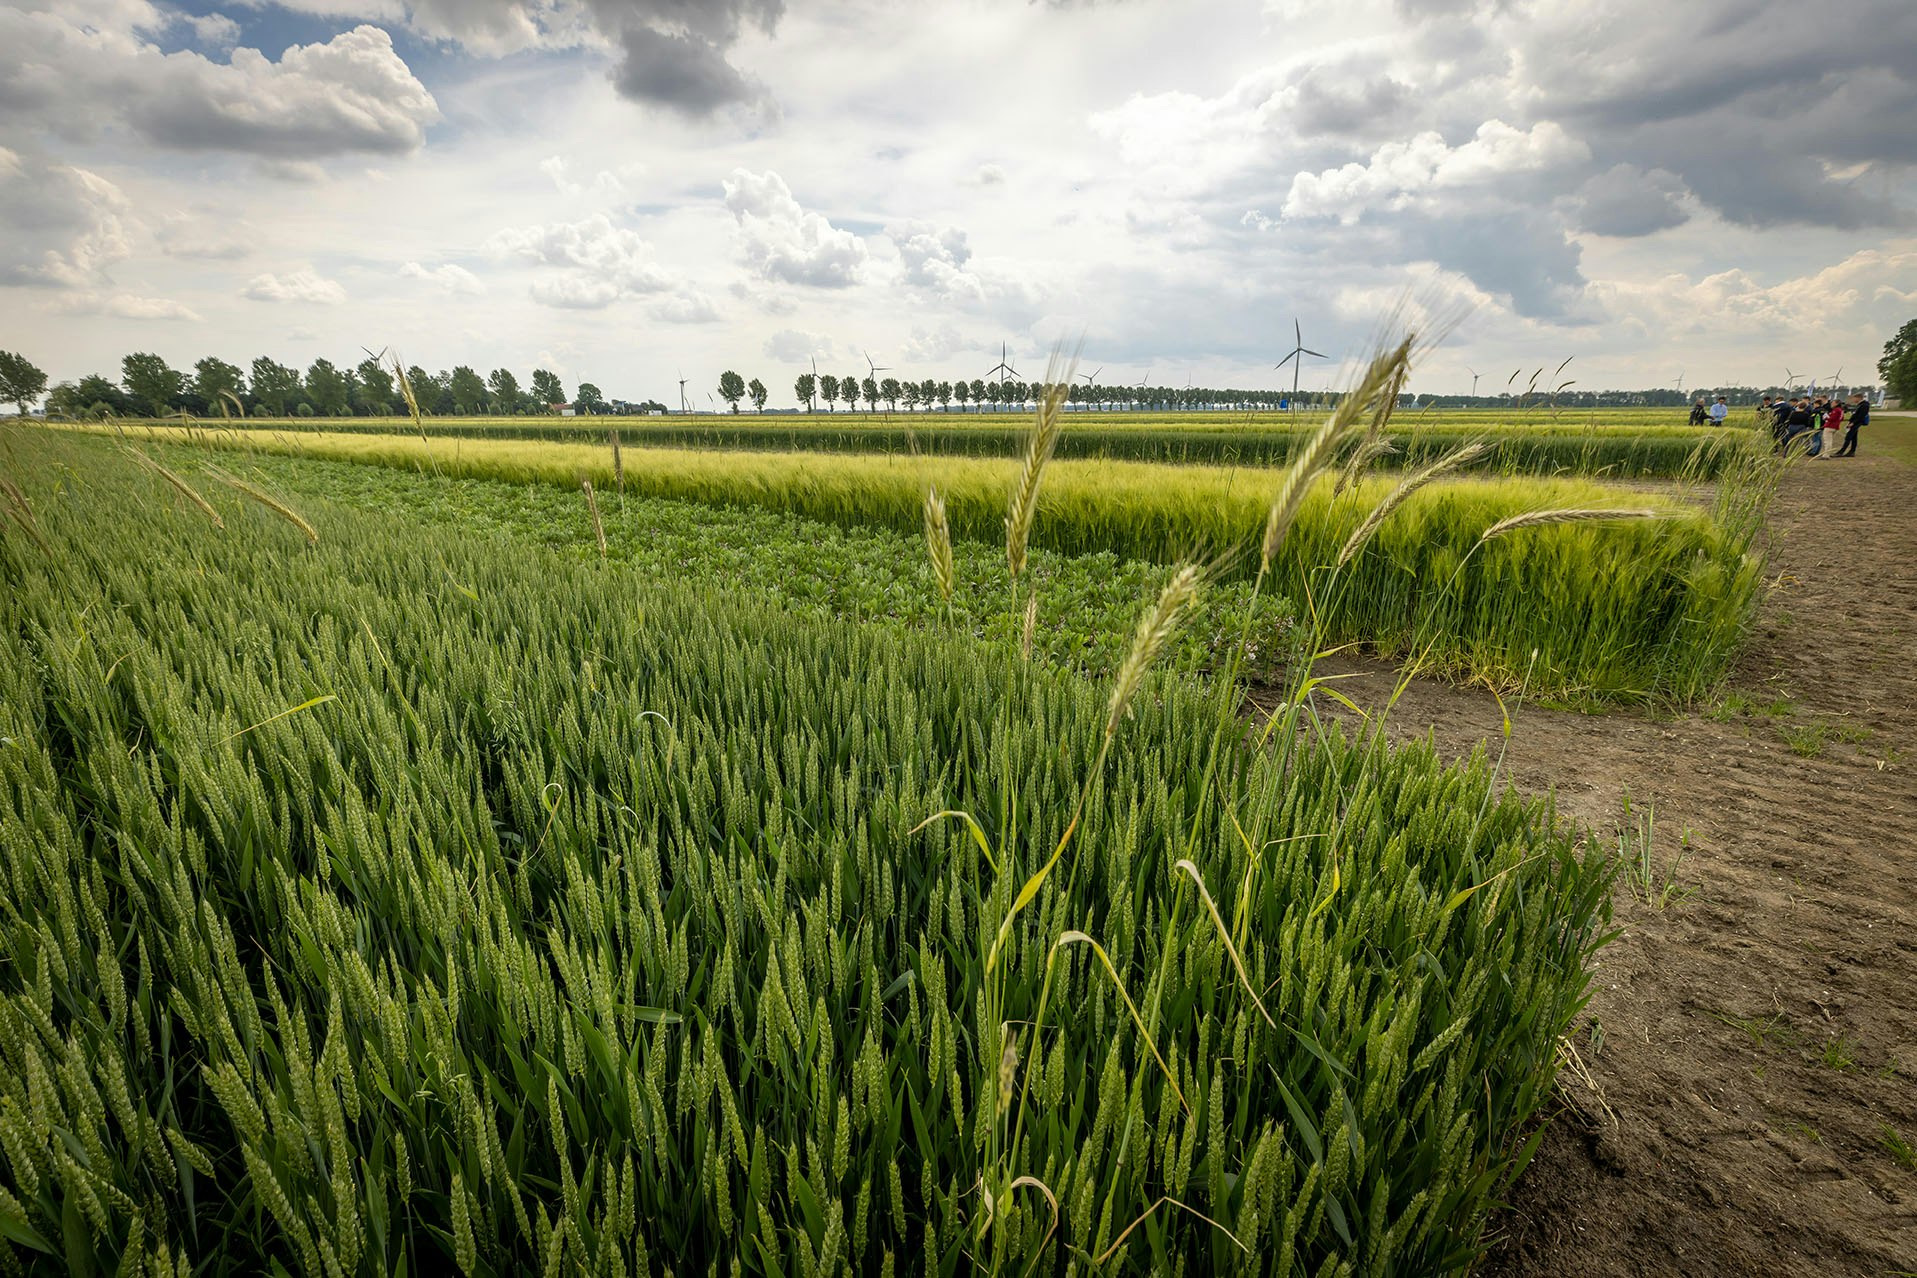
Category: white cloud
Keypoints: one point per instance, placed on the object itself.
(304, 286)
(214, 30)
(63, 226)
(597, 263)
(208, 238)
(352, 93)
(451, 278)
(605, 184)
(127, 306)
(780, 241)
(793, 346)
(686, 306)
(1401, 174)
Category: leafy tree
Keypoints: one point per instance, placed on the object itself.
(995, 392)
(945, 395)
(755, 389)
(849, 392)
(804, 387)
(1900, 379)
(468, 391)
(732, 388)
(505, 391)
(1904, 341)
(889, 392)
(870, 389)
(153, 384)
(427, 389)
(20, 382)
(828, 390)
(328, 390)
(376, 394)
(978, 390)
(960, 391)
(275, 386)
(214, 379)
(588, 400)
(547, 389)
(909, 393)
(97, 391)
(929, 393)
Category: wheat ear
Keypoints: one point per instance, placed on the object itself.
(1154, 628)
(1022, 510)
(938, 543)
(598, 529)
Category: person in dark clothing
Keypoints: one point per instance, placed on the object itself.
(1780, 420)
(1798, 424)
(1698, 414)
(1859, 416)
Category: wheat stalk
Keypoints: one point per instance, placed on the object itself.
(1385, 370)
(592, 504)
(938, 543)
(1154, 628)
(180, 484)
(1540, 518)
(1022, 511)
(1396, 498)
(267, 500)
(618, 464)
(1031, 625)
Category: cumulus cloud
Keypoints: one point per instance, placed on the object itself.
(63, 226)
(781, 241)
(350, 94)
(686, 306)
(587, 264)
(449, 278)
(667, 53)
(1399, 174)
(604, 184)
(304, 286)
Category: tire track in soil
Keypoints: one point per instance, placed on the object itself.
(1759, 1033)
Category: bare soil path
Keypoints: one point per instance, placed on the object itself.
(1744, 1099)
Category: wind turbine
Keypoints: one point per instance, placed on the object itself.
(876, 369)
(1474, 380)
(1003, 369)
(1091, 378)
(685, 405)
(1295, 357)
(1837, 377)
(1789, 377)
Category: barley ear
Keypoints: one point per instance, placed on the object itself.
(1397, 496)
(1384, 372)
(1542, 518)
(181, 485)
(267, 500)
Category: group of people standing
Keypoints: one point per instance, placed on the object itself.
(1820, 417)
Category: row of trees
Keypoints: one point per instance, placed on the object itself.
(149, 387)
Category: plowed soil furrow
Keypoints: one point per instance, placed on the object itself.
(1749, 1061)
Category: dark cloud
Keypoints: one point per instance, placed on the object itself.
(684, 73)
(672, 53)
(1522, 254)
(1626, 201)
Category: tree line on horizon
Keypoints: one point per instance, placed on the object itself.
(149, 387)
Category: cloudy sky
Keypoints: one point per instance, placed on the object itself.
(632, 190)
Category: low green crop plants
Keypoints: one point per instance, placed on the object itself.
(415, 898)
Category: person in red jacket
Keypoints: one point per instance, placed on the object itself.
(1833, 422)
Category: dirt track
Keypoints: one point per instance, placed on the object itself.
(1752, 1044)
